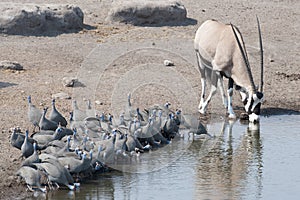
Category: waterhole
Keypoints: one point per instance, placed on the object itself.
(260, 163)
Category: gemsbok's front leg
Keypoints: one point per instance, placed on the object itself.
(231, 113)
(222, 91)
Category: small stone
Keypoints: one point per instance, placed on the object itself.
(11, 65)
(69, 81)
(61, 95)
(98, 102)
(168, 63)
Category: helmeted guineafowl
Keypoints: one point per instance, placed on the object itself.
(34, 114)
(27, 147)
(46, 124)
(56, 116)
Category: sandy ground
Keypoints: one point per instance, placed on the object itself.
(48, 59)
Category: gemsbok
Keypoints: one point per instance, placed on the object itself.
(221, 51)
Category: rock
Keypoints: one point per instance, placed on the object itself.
(147, 12)
(168, 63)
(11, 65)
(39, 19)
(69, 81)
(61, 95)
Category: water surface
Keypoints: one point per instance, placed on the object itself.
(236, 164)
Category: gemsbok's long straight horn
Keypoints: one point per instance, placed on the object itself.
(261, 57)
(245, 60)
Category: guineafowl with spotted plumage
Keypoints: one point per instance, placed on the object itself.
(46, 124)
(27, 147)
(32, 177)
(34, 114)
(56, 116)
(17, 138)
(34, 158)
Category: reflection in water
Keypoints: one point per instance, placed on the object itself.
(225, 171)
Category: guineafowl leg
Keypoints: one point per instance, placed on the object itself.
(57, 186)
(29, 188)
(50, 185)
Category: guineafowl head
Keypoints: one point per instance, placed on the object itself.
(58, 132)
(74, 131)
(71, 116)
(160, 113)
(68, 138)
(29, 99)
(110, 117)
(102, 117)
(45, 110)
(167, 104)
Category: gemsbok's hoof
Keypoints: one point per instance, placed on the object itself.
(201, 111)
(244, 116)
(232, 116)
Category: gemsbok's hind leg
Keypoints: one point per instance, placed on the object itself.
(203, 81)
(203, 87)
(213, 90)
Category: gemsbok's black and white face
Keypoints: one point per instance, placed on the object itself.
(253, 110)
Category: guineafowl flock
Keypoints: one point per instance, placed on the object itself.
(60, 153)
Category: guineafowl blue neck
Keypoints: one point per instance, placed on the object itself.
(68, 140)
(102, 117)
(74, 132)
(26, 134)
(160, 113)
(45, 111)
(53, 104)
(91, 154)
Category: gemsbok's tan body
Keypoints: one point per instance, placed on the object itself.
(221, 52)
